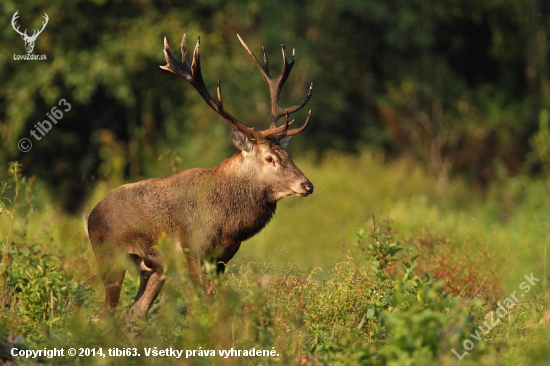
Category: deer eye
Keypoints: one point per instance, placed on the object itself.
(269, 159)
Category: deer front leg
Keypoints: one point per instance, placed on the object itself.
(198, 276)
(201, 276)
(226, 256)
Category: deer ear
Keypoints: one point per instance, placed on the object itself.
(241, 140)
(283, 142)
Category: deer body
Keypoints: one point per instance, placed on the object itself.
(224, 210)
(206, 212)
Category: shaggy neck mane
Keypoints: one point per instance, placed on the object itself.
(247, 204)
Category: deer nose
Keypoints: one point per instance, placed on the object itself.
(308, 187)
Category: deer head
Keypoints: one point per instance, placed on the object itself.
(262, 152)
(29, 40)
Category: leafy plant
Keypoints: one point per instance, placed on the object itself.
(15, 170)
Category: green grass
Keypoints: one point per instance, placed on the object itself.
(378, 266)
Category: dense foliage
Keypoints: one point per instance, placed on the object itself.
(403, 292)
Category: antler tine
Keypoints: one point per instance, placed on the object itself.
(304, 101)
(219, 94)
(192, 73)
(286, 119)
(196, 63)
(266, 62)
(300, 129)
(286, 68)
(184, 55)
(37, 32)
(263, 70)
(44, 24)
(273, 131)
(14, 20)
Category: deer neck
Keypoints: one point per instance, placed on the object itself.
(245, 204)
(241, 179)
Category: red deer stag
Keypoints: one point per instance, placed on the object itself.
(206, 212)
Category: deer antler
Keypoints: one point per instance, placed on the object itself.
(35, 35)
(275, 85)
(24, 34)
(192, 73)
(13, 21)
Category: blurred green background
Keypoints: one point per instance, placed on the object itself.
(461, 86)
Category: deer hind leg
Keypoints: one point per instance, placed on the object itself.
(112, 268)
(151, 283)
(150, 293)
(112, 281)
(144, 273)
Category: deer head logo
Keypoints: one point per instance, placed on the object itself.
(29, 40)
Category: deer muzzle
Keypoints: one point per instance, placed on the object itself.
(306, 189)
